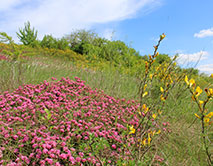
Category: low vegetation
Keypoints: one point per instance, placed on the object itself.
(86, 100)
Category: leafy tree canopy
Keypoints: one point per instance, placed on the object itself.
(28, 35)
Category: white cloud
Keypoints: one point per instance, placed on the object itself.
(208, 68)
(59, 17)
(8, 4)
(108, 33)
(192, 58)
(204, 33)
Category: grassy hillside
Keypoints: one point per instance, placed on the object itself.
(162, 102)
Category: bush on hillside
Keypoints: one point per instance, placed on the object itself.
(49, 41)
(28, 35)
(67, 123)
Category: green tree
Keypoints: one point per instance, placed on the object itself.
(15, 52)
(79, 38)
(62, 44)
(191, 71)
(161, 58)
(27, 35)
(49, 41)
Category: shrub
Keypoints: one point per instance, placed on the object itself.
(49, 41)
(27, 35)
(67, 123)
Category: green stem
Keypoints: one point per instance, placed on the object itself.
(204, 141)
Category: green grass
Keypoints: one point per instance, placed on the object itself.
(182, 146)
(37, 69)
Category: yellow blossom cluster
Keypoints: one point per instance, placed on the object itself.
(196, 92)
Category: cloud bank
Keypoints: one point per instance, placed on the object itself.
(192, 58)
(204, 33)
(208, 68)
(59, 17)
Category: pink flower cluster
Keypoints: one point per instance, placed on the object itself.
(48, 124)
(3, 57)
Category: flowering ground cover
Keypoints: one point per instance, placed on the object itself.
(67, 123)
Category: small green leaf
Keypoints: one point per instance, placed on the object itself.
(48, 114)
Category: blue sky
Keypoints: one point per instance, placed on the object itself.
(187, 24)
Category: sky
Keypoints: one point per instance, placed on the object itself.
(187, 24)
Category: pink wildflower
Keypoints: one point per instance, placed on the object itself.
(45, 151)
(78, 159)
(50, 161)
(114, 146)
(1, 154)
(63, 156)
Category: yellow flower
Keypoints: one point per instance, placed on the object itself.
(192, 82)
(198, 91)
(146, 109)
(211, 91)
(145, 86)
(149, 139)
(186, 80)
(154, 116)
(144, 106)
(162, 98)
(209, 115)
(146, 64)
(132, 130)
(212, 75)
(150, 76)
(159, 131)
(201, 102)
(197, 116)
(162, 36)
(144, 142)
(206, 120)
(145, 93)
(161, 89)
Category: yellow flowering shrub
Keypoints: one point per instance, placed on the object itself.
(203, 115)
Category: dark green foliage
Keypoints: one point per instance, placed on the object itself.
(62, 44)
(117, 53)
(15, 51)
(161, 58)
(79, 38)
(191, 71)
(145, 58)
(4, 38)
(27, 35)
(49, 41)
